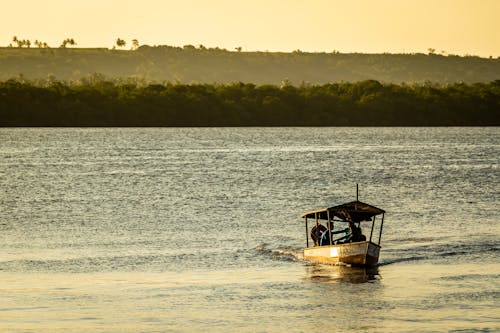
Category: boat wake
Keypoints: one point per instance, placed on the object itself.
(281, 254)
(473, 251)
(400, 260)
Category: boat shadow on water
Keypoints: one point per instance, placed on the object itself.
(321, 273)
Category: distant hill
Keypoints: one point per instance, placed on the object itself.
(201, 65)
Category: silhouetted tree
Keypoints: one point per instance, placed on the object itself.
(67, 41)
(135, 44)
(120, 42)
(17, 41)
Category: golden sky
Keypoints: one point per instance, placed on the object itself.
(368, 26)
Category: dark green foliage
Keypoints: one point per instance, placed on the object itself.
(191, 64)
(98, 102)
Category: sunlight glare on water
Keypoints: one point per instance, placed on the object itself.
(188, 229)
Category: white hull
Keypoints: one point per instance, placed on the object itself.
(359, 253)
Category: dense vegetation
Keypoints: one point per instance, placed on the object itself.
(365, 103)
(203, 65)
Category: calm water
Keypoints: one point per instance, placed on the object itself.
(188, 230)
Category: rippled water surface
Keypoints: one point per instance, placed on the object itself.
(199, 229)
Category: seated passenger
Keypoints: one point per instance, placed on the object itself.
(357, 235)
(325, 238)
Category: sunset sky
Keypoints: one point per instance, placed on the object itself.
(368, 26)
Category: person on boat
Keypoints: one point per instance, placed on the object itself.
(317, 233)
(325, 237)
(344, 239)
(356, 233)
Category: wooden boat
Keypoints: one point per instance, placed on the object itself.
(353, 248)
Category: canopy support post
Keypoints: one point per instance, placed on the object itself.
(307, 236)
(381, 226)
(329, 228)
(373, 225)
(317, 225)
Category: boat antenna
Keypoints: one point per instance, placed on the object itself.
(357, 192)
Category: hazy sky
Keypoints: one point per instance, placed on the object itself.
(455, 26)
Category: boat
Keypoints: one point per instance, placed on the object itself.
(350, 247)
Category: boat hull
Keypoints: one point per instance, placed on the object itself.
(358, 253)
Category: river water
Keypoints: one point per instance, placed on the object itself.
(199, 229)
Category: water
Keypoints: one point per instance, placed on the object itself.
(182, 230)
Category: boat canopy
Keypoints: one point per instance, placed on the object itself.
(355, 211)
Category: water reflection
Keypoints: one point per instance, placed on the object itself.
(320, 273)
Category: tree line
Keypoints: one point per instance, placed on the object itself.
(129, 103)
